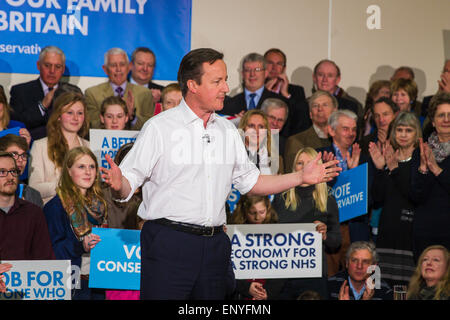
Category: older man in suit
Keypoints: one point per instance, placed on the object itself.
(321, 105)
(254, 74)
(139, 99)
(31, 101)
(327, 76)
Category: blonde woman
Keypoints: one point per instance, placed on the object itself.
(431, 279)
(65, 128)
(310, 204)
(255, 129)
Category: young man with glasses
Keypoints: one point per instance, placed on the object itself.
(23, 228)
(18, 147)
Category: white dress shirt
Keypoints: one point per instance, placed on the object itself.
(186, 171)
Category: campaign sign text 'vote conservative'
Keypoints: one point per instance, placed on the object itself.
(350, 191)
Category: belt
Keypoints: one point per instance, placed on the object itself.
(190, 228)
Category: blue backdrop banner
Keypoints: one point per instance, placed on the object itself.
(86, 29)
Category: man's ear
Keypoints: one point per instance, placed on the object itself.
(331, 132)
(192, 85)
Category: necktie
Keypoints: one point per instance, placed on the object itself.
(252, 104)
(119, 92)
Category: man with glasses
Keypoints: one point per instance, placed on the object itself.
(23, 228)
(32, 101)
(139, 99)
(254, 75)
(18, 147)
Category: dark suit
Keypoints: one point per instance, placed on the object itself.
(236, 104)
(24, 103)
(298, 119)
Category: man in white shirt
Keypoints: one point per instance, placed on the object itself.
(186, 160)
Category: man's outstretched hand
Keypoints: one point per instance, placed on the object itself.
(112, 176)
(315, 172)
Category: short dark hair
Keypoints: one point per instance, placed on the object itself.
(11, 139)
(387, 101)
(191, 66)
(277, 51)
(141, 49)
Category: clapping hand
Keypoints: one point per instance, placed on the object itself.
(427, 159)
(377, 155)
(257, 291)
(353, 159)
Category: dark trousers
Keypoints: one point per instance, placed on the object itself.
(176, 265)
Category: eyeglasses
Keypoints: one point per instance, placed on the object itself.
(13, 172)
(254, 70)
(23, 156)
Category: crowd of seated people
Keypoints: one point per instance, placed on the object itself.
(51, 187)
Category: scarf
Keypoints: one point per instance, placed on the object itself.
(83, 217)
(441, 150)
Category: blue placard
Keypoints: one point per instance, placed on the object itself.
(86, 29)
(350, 191)
(116, 260)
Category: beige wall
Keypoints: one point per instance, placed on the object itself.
(412, 33)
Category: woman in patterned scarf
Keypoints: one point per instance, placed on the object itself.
(431, 180)
(77, 207)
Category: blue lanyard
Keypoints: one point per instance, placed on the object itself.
(20, 191)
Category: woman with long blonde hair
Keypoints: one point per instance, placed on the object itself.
(77, 207)
(67, 125)
(431, 279)
(310, 204)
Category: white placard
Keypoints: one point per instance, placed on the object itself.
(38, 280)
(103, 142)
(264, 251)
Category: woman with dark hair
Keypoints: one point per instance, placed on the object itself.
(66, 127)
(391, 191)
(77, 207)
(377, 90)
(431, 180)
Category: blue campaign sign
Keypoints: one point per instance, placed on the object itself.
(350, 191)
(86, 29)
(116, 260)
